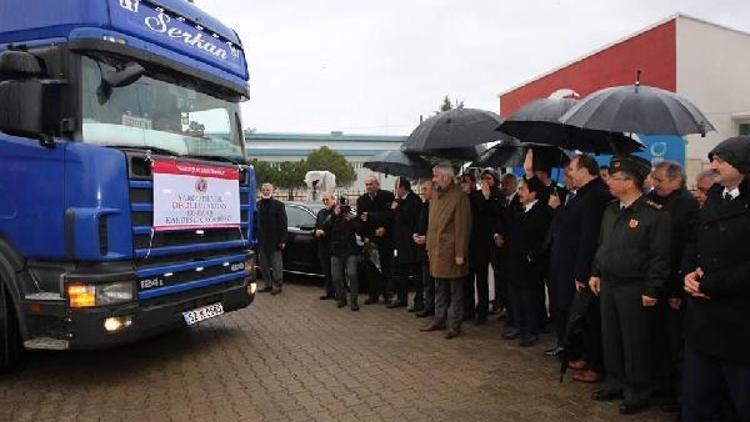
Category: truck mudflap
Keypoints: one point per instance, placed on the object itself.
(101, 328)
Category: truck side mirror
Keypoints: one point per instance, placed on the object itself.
(17, 64)
(119, 78)
(22, 111)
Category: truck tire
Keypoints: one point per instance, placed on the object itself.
(11, 347)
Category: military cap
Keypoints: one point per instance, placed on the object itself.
(631, 164)
(735, 151)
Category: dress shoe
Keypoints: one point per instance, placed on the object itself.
(371, 300)
(326, 297)
(512, 334)
(554, 352)
(265, 289)
(275, 292)
(396, 304)
(529, 340)
(578, 365)
(453, 334)
(425, 313)
(355, 307)
(480, 320)
(434, 326)
(342, 303)
(587, 376)
(633, 407)
(606, 395)
(502, 314)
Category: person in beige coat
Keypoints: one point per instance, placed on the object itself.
(448, 246)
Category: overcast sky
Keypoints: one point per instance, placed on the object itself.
(373, 67)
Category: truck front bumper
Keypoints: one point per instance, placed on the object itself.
(85, 328)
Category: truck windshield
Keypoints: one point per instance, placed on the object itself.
(159, 111)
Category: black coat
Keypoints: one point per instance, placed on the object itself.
(406, 219)
(272, 225)
(379, 214)
(720, 326)
(683, 212)
(343, 231)
(484, 219)
(575, 235)
(524, 248)
(422, 226)
(324, 242)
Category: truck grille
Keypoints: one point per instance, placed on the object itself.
(175, 261)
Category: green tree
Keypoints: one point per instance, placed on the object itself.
(449, 105)
(326, 159)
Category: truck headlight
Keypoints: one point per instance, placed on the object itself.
(250, 267)
(90, 295)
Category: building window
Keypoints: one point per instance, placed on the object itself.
(745, 128)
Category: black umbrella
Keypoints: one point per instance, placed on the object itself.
(638, 109)
(455, 129)
(538, 121)
(512, 153)
(575, 327)
(466, 153)
(399, 163)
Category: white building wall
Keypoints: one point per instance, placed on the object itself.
(713, 71)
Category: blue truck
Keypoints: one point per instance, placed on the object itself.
(126, 200)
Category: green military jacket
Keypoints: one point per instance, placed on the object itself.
(634, 246)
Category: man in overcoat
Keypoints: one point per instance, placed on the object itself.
(447, 247)
(272, 234)
(717, 263)
(406, 209)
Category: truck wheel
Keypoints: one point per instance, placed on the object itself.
(11, 348)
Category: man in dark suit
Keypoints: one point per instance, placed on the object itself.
(374, 210)
(420, 239)
(670, 192)
(575, 236)
(485, 208)
(509, 208)
(324, 243)
(406, 209)
(524, 241)
(717, 263)
(272, 233)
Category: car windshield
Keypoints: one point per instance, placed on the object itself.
(157, 111)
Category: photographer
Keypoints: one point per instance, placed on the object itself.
(343, 228)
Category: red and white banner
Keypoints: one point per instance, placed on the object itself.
(193, 196)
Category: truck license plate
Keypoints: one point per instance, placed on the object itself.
(202, 314)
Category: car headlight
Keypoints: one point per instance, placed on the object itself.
(89, 295)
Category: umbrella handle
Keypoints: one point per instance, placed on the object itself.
(637, 79)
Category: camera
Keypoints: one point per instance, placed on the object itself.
(344, 204)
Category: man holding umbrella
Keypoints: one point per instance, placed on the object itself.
(717, 264)
(374, 210)
(630, 268)
(573, 246)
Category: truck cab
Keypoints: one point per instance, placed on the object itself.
(126, 201)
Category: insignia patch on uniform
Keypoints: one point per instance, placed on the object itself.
(654, 204)
(633, 223)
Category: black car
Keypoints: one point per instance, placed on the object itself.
(301, 252)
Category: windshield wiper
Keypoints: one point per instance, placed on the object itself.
(233, 160)
(156, 150)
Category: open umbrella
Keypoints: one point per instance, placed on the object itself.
(638, 109)
(511, 153)
(399, 163)
(538, 121)
(454, 130)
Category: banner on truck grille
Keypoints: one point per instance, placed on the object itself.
(192, 196)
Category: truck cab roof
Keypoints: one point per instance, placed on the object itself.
(175, 25)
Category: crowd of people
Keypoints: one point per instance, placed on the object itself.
(645, 284)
